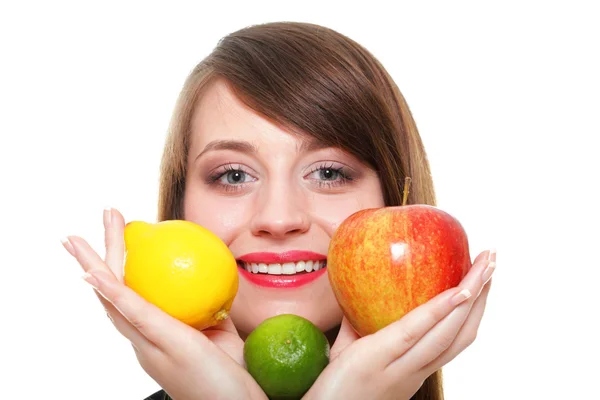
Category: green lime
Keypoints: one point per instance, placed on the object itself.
(285, 354)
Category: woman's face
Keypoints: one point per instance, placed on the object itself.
(275, 199)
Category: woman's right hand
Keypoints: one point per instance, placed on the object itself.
(188, 364)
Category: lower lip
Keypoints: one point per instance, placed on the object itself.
(282, 281)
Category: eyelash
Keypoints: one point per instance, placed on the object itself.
(345, 176)
(214, 178)
(221, 172)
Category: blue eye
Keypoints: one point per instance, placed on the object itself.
(230, 178)
(329, 174)
(234, 176)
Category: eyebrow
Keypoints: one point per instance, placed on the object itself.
(235, 145)
(243, 146)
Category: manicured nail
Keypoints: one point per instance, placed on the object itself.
(89, 278)
(460, 297)
(492, 255)
(487, 274)
(107, 216)
(68, 245)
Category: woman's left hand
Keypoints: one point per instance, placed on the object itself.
(394, 362)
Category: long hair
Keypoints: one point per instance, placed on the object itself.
(313, 81)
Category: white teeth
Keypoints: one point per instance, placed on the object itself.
(288, 268)
(274, 269)
(309, 266)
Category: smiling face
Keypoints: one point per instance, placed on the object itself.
(275, 199)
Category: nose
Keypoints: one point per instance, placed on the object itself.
(280, 213)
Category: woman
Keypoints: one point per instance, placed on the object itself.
(283, 131)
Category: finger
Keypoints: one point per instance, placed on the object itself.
(346, 336)
(467, 334)
(113, 239)
(86, 256)
(120, 322)
(114, 224)
(123, 326)
(226, 326)
(93, 265)
(485, 255)
(399, 337)
(167, 333)
(440, 337)
(221, 335)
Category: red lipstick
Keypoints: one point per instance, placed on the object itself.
(282, 281)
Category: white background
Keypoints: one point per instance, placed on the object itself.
(506, 98)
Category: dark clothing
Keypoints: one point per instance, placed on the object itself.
(160, 395)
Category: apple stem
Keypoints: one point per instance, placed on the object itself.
(406, 190)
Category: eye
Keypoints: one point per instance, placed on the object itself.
(234, 177)
(230, 177)
(329, 175)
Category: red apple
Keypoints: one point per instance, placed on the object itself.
(384, 262)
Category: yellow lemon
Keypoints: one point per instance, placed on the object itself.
(182, 268)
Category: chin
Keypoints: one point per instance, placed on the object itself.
(316, 302)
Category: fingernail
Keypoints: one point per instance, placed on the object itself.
(68, 245)
(460, 297)
(107, 216)
(89, 278)
(487, 274)
(492, 254)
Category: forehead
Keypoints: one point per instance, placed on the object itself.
(220, 115)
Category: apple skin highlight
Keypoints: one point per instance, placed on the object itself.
(384, 262)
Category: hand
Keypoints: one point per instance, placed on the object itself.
(186, 363)
(394, 362)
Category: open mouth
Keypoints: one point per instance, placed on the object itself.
(288, 268)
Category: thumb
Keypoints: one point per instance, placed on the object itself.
(345, 338)
(225, 336)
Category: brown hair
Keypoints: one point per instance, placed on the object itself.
(314, 81)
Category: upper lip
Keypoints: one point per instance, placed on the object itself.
(283, 257)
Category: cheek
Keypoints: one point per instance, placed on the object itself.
(331, 211)
(224, 217)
